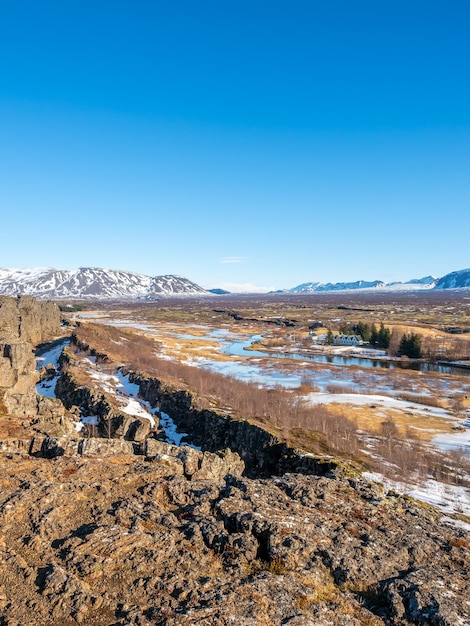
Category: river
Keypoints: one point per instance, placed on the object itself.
(241, 348)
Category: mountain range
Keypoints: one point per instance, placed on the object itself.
(455, 280)
(93, 283)
(429, 282)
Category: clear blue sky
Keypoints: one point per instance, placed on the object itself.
(236, 141)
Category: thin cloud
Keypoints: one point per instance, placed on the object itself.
(233, 259)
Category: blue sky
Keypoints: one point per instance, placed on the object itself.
(246, 142)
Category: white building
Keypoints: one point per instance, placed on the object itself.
(347, 340)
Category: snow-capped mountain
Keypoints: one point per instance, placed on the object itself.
(92, 283)
(428, 282)
(455, 280)
(316, 287)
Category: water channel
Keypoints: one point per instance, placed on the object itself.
(241, 348)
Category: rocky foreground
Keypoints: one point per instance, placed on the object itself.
(172, 539)
(112, 532)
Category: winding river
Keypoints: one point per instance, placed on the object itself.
(241, 348)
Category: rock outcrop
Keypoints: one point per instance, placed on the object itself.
(112, 420)
(25, 323)
(172, 540)
(26, 320)
(262, 452)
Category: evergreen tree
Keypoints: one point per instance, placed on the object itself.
(415, 349)
(410, 346)
(363, 329)
(329, 338)
(374, 335)
(383, 337)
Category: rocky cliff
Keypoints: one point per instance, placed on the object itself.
(26, 320)
(24, 323)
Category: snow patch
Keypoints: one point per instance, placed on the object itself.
(448, 498)
(171, 432)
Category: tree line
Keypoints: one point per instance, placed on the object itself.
(410, 344)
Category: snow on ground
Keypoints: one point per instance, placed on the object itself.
(107, 382)
(371, 353)
(51, 357)
(450, 499)
(172, 435)
(383, 401)
(135, 408)
(124, 390)
(166, 422)
(86, 419)
(130, 389)
(444, 441)
(143, 409)
(46, 387)
(249, 372)
(455, 441)
(119, 386)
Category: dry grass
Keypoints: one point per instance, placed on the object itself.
(369, 418)
(459, 542)
(185, 349)
(340, 599)
(13, 428)
(422, 399)
(262, 609)
(342, 389)
(275, 566)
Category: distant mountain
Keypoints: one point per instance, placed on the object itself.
(93, 283)
(320, 287)
(427, 282)
(219, 292)
(455, 280)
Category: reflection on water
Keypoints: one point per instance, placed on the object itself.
(240, 348)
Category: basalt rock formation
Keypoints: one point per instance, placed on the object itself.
(118, 540)
(26, 320)
(24, 323)
(262, 452)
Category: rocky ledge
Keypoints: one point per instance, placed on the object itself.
(175, 540)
